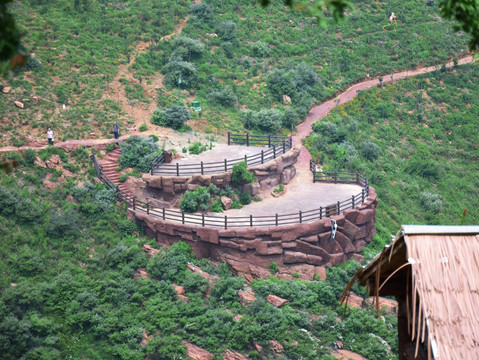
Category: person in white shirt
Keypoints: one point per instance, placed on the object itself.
(50, 136)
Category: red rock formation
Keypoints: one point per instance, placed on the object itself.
(246, 297)
(276, 346)
(196, 353)
(389, 304)
(276, 300)
(149, 250)
(229, 355)
(141, 274)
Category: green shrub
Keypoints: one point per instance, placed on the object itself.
(189, 202)
(213, 189)
(138, 152)
(154, 138)
(245, 198)
(216, 206)
(143, 127)
(197, 148)
(370, 150)
(30, 156)
(225, 97)
(240, 174)
(236, 204)
(173, 117)
(273, 268)
(123, 177)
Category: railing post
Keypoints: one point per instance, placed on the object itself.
(274, 151)
(164, 217)
(362, 195)
(284, 147)
(246, 159)
(335, 177)
(269, 141)
(148, 208)
(226, 165)
(251, 220)
(177, 169)
(320, 212)
(134, 203)
(339, 207)
(262, 157)
(202, 168)
(226, 222)
(182, 217)
(203, 219)
(352, 198)
(276, 219)
(357, 177)
(300, 217)
(229, 138)
(247, 139)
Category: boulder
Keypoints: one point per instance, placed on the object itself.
(237, 317)
(389, 304)
(196, 353)
(276, 346)
(149, 250)
(286, 99)
(180, 290)
(145, 339)
(6, 89)
(276, 300)
(141, 274)
(226, 202)
(229, 355)
(257, 346)
(355, 301)
(211, 278)
(19, 104)
(246, 297)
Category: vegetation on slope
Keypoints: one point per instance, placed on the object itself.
(416, 141)
(69, 286)
(116, 61)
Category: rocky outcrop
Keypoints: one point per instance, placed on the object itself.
(302, 250)
(276, 300)
(229, 355)
(196, 353)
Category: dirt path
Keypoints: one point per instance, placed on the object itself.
(302, 131)
(320, 111)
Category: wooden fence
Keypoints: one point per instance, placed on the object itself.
(337, 177)
(278, 145)
(224, 221)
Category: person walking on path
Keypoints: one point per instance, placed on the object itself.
(50, 136)
(133, 131)
(116, 130)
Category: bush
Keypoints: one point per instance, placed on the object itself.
(264, 120)
(138, 152)
(177, 67)
(226, 31)
(29, 156)
(431, 202)
(216, 206)
(244, 198)
(189, 202)
(197, 148)
(241, 175)
(173, 117)
(370, 150)
(143, 127)
(224, 97)
(192, 199)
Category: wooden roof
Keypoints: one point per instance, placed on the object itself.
(441, 265)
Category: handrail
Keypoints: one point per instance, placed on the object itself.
(225, 222)
(278, 145)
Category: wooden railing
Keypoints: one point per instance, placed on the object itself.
(225, 222)
(278, 145)
(337, 177)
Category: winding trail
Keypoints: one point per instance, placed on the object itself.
(320, 111)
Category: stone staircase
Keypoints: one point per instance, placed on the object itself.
(109, 164)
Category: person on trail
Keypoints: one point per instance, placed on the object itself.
(50, 136)
(133, 131)
(116, 130)
(392, 18)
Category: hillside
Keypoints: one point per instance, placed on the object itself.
(119, 61)
(417, 140)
